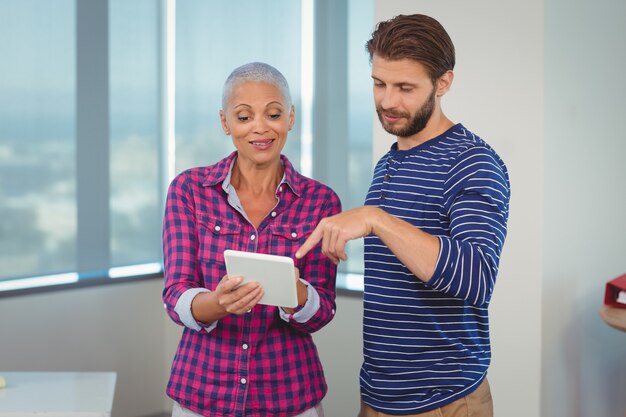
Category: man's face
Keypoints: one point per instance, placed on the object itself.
(403, 94)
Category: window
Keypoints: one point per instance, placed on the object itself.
(85, 156)
(206, 30)
(342, 122)
(37, 138)
(360, 109)
(134, 123)
(80, 191)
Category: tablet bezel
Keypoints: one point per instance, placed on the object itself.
(276, 274)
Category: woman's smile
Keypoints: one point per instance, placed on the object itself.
(262, 144)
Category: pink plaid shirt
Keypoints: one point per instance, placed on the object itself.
(257, 364)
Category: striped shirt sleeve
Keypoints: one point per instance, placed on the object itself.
(476, 198)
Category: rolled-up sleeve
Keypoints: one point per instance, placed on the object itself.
(180, 246)
(308, 310)
(183, 309)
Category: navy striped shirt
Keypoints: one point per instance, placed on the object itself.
(427, 344)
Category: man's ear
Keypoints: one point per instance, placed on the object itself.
(444, 83)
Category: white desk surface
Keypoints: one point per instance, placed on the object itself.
(57, 394)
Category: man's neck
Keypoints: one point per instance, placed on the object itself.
(435, 127)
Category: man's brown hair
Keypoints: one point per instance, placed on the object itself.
(418, 37)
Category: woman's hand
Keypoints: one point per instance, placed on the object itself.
(227, 299)
(237, 300)
(303, 294)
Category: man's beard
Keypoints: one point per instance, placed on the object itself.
(417, 123)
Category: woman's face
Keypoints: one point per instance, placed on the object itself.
(258, 119)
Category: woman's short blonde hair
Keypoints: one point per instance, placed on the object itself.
(257, 72)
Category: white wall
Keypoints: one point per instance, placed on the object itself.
(106, 328)
(583, 359)
(498, 94)
(340, 346)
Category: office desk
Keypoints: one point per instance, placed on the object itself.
(57, 394)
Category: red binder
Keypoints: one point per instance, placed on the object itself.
(615, 293)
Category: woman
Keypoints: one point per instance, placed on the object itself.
(237, 357)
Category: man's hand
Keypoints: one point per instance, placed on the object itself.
(335, 231)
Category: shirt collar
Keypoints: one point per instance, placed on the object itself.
(430, 142)
(223, 169)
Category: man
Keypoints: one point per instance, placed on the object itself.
(434, 224)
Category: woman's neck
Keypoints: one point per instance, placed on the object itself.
(255, 179)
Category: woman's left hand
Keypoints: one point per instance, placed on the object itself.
(303, 293)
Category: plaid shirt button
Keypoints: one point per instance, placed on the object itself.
(294, 234)
(217, 228)
(252, 237)
(273, 214)
(245, 346)
(243, 381)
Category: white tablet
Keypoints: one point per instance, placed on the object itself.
(276, 274)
